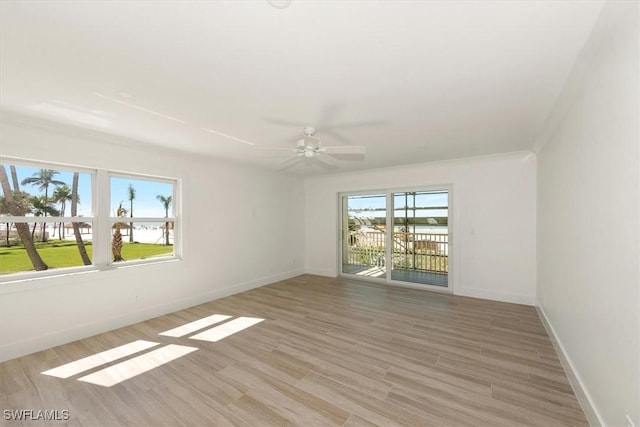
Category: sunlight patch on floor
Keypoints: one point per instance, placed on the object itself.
(191, 327)
(90, 362)
(372, 272)
(123, 371)
(227, 329)
(137, 365)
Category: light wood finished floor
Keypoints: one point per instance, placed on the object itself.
(329, 352)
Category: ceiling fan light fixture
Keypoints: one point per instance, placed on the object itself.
(310, 147)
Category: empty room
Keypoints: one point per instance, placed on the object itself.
(327, 213)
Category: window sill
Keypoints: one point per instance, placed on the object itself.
(20, 282)
(147, 261)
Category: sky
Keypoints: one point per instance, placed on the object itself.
(145, 203)
(423, 199)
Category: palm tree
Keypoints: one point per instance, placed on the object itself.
(62, 195)
(132, 195)
(14, 178)
(43, 179)
(23, 228)
(116, 241)
(22, 206)
(42, 207)
(16, 189)
(21, 203)
(76, 227)
(166, 202)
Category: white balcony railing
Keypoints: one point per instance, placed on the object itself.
(428, 252)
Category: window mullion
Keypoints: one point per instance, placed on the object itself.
(102, 234)
(48, 219)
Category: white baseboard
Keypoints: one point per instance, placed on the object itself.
(590, 411)
(495, 295)
(43, 342)
(321, 272)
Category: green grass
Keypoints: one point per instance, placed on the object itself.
(57, 254)
(131, 251)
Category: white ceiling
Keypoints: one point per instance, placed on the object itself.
(412, 81)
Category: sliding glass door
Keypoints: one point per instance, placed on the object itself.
(364, 242)
(421, 237)
(397, 236)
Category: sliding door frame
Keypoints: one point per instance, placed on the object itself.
(341, 226)
(451, 221)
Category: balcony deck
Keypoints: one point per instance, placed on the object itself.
(403, 275)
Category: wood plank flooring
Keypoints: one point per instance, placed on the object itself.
(328, 352)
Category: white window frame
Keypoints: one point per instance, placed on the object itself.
(113, 220)
(100, 219)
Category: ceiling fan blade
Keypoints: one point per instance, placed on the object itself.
(276, 149)
(326, 162)
(339, 136)
(351, 149)
(288, 162)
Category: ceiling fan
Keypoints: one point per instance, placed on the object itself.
(310, 147)
(328, 121)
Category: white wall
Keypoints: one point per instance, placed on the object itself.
(242, 228)
(588, 215)
(494, 220)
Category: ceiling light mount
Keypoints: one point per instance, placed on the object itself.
(279, 4)
(309, 131)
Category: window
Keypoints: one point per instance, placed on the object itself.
(49, 220)
(148, 230)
